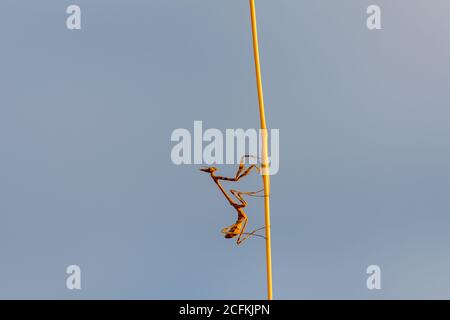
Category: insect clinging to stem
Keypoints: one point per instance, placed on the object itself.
(237, 228)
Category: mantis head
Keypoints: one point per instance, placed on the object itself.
(208, 169)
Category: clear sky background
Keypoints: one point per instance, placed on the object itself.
(85, 170)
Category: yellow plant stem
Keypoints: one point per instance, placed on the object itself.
(265, 158)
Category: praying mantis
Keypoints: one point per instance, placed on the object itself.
(237, 229)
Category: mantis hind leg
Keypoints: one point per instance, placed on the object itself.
(242, 232)
(248, 235)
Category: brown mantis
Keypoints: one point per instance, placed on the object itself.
(237, 228)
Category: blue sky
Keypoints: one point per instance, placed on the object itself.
(85, 170)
